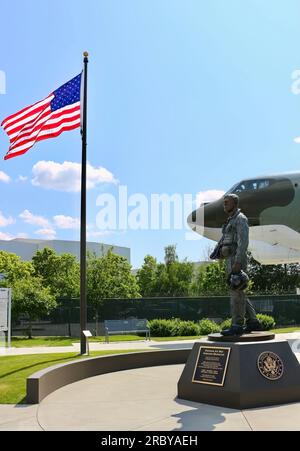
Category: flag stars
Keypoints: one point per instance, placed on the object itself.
(67, 94)
(51, 126)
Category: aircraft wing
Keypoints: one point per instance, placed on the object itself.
(276, 235)
(274, 244)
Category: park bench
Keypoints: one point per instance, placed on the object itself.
(122, 326)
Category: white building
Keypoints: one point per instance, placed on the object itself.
(26, 248)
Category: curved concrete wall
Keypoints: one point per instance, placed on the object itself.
(41, 384)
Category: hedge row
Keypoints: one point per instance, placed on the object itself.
(177, 328)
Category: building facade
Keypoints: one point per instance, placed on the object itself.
(26, 248)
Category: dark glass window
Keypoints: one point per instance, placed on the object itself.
(250, 185)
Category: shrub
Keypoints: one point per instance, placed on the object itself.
(173, 328)
(226, 324)
(160, 327)
(266, 321)
(186, 329)
(177, 328)
(206, 326)
(175, 325)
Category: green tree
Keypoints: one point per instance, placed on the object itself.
(161, 287)
(170, 254)
(44, 262)
(59, 272)
(147, 276)
(211, 280)
(110, 277)
(67, 284)
(31, 299)
(273, 279)
(180, 276)
(14, 268)
(172, 278)
(175, 279)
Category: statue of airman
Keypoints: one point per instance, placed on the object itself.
(233, 248)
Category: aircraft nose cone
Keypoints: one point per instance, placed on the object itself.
(209, 216)
(191, 220)
(204, 216)
(196, 219)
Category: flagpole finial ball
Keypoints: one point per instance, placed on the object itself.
(86, 54)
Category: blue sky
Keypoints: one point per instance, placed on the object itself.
(184, 97)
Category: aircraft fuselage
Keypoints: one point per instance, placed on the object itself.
(271, 204)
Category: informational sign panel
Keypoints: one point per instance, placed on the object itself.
(87, 333)
(211, 365)
(5, 312)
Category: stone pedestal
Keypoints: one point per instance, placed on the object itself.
(241, 374)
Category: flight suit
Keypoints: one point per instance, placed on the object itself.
(235, 243)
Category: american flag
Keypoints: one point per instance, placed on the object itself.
(58, 112)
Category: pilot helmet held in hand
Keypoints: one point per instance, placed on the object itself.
(238, 281)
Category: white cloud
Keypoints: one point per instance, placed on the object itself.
(32, 219)
(4, 222)
(99, 234)
(92, 232)
(297, 140)
(66, 222)
(4, 177)
(67, 176)
(8, 236)
(5, 236)
(47, 233)
(209, 196)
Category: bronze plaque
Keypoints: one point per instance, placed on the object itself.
(211, 365)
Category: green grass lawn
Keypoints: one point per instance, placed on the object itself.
(22, 342)
(286, 330)
(14, 371)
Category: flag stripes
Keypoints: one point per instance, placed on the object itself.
(59, 112)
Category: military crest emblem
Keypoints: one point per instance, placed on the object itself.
(270, 366)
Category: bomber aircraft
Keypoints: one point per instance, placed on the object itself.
(272, 205)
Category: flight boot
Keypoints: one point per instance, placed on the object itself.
(233, 330)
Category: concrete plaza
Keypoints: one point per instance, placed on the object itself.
(142, 400)
(139, 400)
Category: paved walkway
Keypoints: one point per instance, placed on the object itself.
(128, 345)
(139, 400)
(145, 400)
(19, 418)
(122, 345)
(142, 399)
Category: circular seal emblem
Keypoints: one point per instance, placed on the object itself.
(270, 366)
